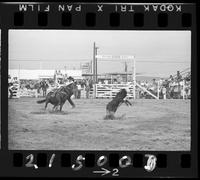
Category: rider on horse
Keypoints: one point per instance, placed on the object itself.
(60, 95)
(71, 80)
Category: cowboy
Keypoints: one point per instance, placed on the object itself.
(70, 81)
(79, 90)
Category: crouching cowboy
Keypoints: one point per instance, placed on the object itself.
(113, 105)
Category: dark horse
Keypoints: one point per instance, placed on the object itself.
(113, 105)
(59, 96)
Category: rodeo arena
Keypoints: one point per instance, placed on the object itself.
(157, 119)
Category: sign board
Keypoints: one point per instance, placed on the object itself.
(86, 67)
(120, 57)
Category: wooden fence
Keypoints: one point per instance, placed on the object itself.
(110, 90)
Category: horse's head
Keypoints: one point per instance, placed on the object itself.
(70, 87)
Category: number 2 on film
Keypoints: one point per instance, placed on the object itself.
(30, 159)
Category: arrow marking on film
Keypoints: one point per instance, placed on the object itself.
(104, 171)
(35, 166)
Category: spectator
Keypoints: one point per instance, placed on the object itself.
(9, 80)
(164, 92)
(115, 81)
(75, 90)
(171, 78)
(87, 89)
(105, 81)
(79, 90)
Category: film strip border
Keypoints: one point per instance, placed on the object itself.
(46, 163)
(98, 16)
(109, 164)
(114, 19)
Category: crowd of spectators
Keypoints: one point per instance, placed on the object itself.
(174, 87)
(40, 85)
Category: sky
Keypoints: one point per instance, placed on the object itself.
(157, 53)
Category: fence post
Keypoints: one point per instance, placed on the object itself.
(158, 89)
(111, 91)
(183, 89)
(94, 90)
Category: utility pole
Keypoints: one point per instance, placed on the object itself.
(94, 62)
(90, 67)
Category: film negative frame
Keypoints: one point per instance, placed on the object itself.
(85, 16)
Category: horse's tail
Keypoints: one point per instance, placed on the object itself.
(41, 101)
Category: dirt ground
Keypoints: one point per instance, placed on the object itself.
(149, 124)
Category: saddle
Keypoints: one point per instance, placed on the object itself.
(56, 91)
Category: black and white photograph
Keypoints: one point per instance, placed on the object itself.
(99, 90)
(0, 88)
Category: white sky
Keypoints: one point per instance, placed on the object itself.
(54, 49)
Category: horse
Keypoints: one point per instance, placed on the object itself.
(59, 96)
(113, 105)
